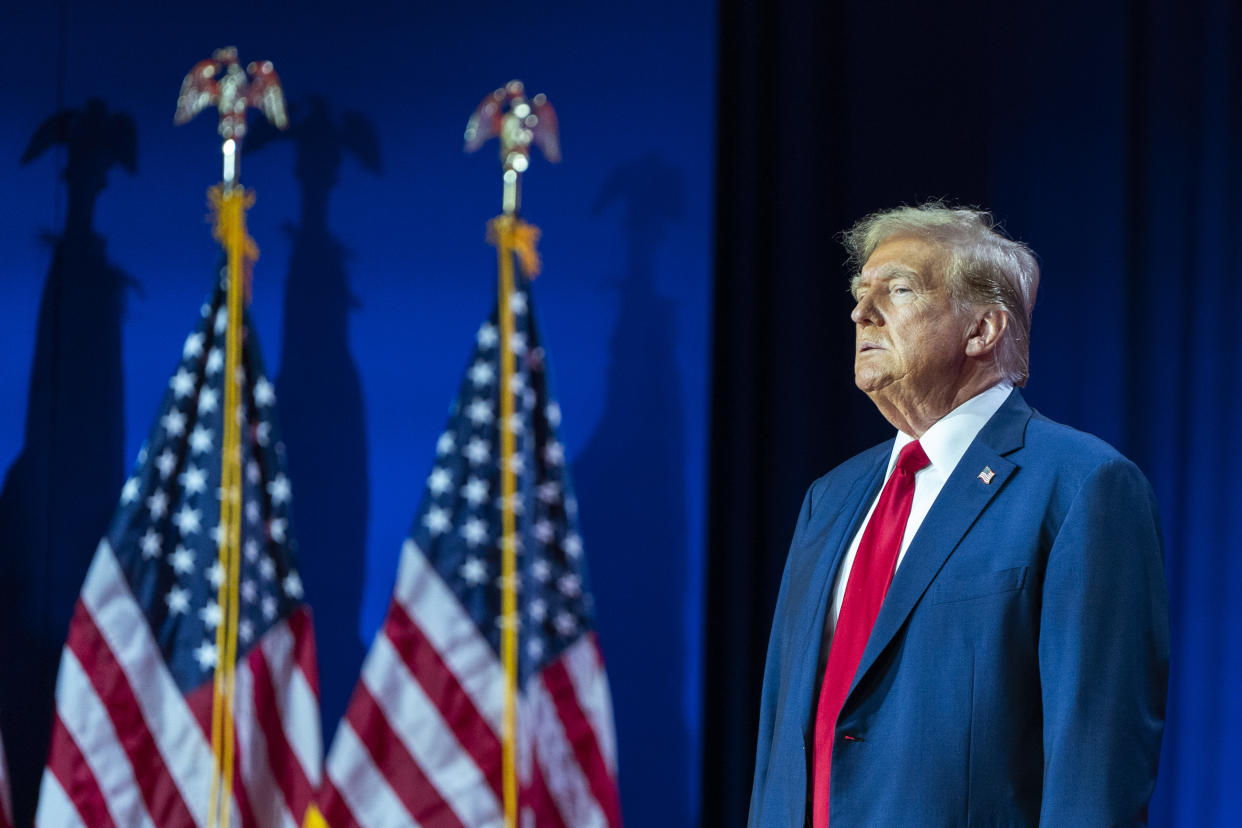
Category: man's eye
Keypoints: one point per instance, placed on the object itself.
(899, 289)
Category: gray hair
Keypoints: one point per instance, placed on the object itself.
(984, 268)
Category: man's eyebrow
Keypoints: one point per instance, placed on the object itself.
(892, 270)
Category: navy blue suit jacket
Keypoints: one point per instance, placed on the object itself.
(1018, 669)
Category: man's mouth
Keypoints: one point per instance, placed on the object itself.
(865, 346)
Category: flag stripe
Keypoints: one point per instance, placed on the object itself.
(87, 724)
(159, 791)
(167, 716)
(285, 767)
(358, 792)
(418, 724)
(432, 606)
(74, 788)
(419, 797)
(242, 813)
(300, 626)
(585, 665)
(443, 689)
(256, 774)
(287, 653)
(144, 704)
(332, 805)
(566, 783)
(55, 809)
(198, 705)
(538, 800)
(581, 738)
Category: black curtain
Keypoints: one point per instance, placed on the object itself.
(1109, 137)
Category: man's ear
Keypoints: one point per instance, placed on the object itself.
(987, 331)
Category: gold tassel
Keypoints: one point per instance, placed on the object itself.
(228, 214)
(519, 237)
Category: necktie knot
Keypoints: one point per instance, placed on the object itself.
(912, 459)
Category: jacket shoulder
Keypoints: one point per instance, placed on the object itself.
(844, 477)
(1075, 454)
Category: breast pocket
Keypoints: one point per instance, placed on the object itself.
(980, 586)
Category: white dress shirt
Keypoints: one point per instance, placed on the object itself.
(944, 443)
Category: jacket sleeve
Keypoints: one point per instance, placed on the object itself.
(774, 673)
(1104, 653)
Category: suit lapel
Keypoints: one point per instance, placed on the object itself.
(837, 532)
(964, 497)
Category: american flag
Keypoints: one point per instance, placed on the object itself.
(421, 740)
(131, 741)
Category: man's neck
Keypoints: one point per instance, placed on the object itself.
(914, 415)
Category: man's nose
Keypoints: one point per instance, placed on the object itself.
(865, 311)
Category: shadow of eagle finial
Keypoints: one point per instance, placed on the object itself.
(96, 140)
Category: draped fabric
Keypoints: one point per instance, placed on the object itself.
(1107, 136)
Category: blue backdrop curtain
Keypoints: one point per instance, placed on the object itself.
(1106, 135)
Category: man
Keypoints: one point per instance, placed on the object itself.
(972, 628)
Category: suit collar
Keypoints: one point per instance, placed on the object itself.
(946, 441)
(1006, 431)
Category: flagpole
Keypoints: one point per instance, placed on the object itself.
(233, 218)
(220, 81)
(508, 115)
(508, 520)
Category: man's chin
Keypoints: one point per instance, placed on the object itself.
(871, 382)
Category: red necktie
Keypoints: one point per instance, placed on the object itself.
(874, 564)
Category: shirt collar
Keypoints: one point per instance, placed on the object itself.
(949, 437)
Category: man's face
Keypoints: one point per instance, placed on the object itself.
(910, 336)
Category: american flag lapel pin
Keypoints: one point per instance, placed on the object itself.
(987, 474)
